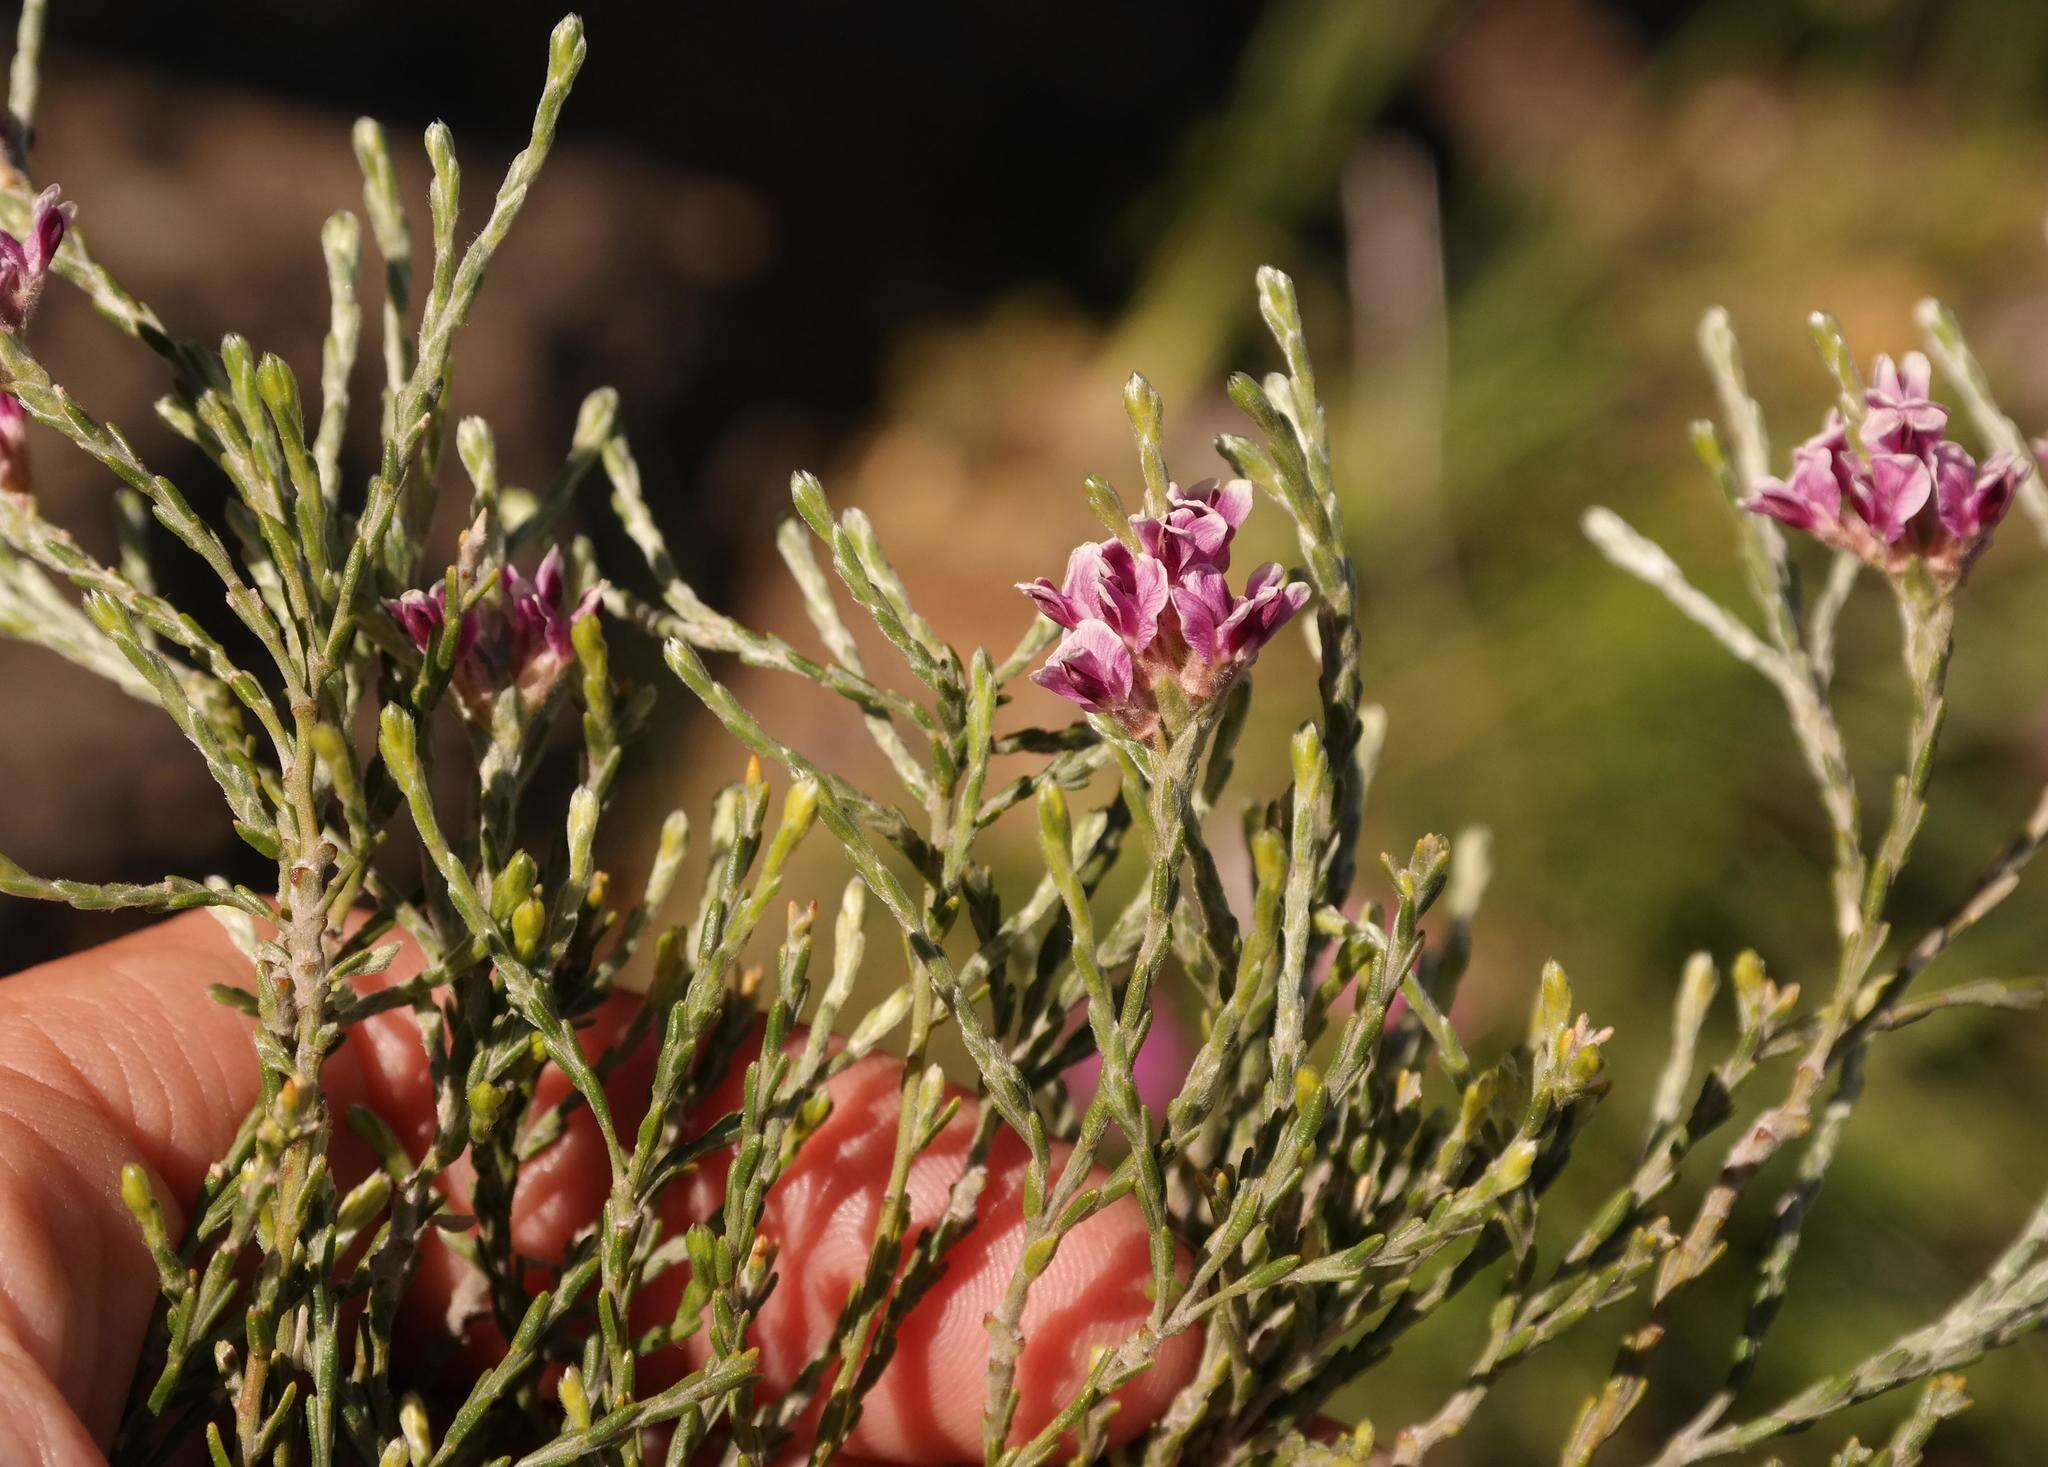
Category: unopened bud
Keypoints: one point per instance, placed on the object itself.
(575, 1400)
(136, 1193)
(513, 886)
(486, 1104)
(1751, 987)
(364, 1201)
(1553, 1006)
(529, 926)
(413, 1424)
(800, 809)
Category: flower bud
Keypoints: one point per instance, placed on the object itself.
(575, 1400)
(417, 1430)
(529, 926)
(486, 1104)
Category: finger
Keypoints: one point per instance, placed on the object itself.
(927, 1404)
(75, 1287)
(113, 1056)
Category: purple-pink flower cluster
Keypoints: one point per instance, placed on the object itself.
(1162, 612)
(1904, 491)
(519, 638)
(25, 263)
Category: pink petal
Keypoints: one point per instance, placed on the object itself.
(1203, 601)
(1049, 600)
(1900, 485)
(547, 581)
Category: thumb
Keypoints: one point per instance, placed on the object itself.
(108, 1057)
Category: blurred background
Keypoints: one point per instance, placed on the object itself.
(918, 246)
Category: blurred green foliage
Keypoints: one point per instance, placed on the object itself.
(1647, 798)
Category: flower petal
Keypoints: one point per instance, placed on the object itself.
(1050, 600)
(1203, 602)
(1898, 489)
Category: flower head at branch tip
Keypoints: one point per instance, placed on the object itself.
(1163, 613)
(539, 628)
(520, 637)
(25, 263)
(1907, 494)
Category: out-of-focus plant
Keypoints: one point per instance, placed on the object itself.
(1882, 486)
(1334, 1168)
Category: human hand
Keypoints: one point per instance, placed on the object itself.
(118, 1055)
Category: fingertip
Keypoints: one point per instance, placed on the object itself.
(564, 1186)
(928, 1401)
(1093, 1295)
(1096, 1294)
(42, 1425)
(94, 1025)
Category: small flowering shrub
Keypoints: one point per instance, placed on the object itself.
(1333, 1167)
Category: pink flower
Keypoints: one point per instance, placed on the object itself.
(1106, 582)
(1809, 499)
(1972, 500)
(25, 263)
(521, 638)
(1197, 529)
(539, 627)
(423, 613)
(1911, 495)
(1224, 632)
(1896, 489)
(1900, 417)
(1269, 603)
(1164, 612)
(1092, 667)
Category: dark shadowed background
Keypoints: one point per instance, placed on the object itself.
(917, 247)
